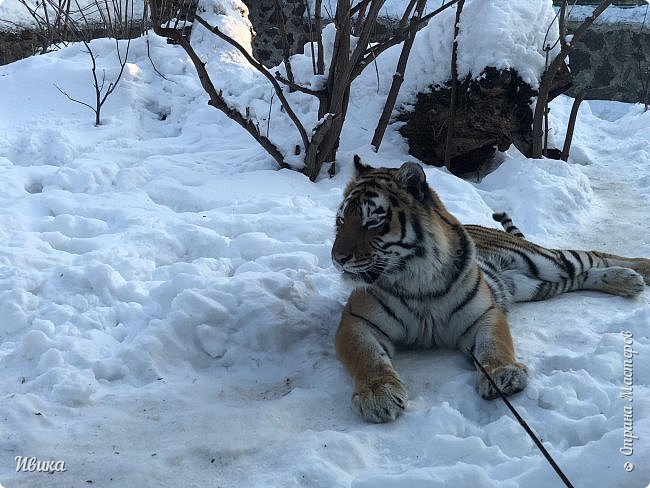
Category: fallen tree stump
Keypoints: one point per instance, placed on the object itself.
(493, 111)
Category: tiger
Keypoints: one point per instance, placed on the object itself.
(421, 279)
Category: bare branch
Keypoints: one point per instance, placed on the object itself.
(108, 17)
(398, 77)
(34, 13)
(74, 99)
(113, 85)
(545, 46)
(376, 72)
(295, 86)
(400, 36)
(404, 21)
(321, 144)
(359, 7)
(364, 36)
(359, 21)
(48, 25)
(562, 23)
(268, 117)
(83, 16)
(101, 86)
(153, 64)
(262, 69)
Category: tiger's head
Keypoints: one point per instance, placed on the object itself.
(382, 223)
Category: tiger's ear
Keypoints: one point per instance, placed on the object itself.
(359, 168)
(412, 178)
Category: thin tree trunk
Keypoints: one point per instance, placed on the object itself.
(571, 125)
(454, 87)
(398, 78)
(318, 19)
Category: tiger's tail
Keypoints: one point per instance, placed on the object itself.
(504, 219)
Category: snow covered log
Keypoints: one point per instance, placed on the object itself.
(493, 111)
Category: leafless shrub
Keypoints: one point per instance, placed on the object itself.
(320, 144)
(62, 21)
(541, 107)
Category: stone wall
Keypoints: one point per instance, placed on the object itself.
(17, 44)
(267, 46)
(21, 43)
(610, 61)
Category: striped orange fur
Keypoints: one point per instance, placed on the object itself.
(421, 279)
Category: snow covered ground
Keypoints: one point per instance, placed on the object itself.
(613, 14)
(168, 304)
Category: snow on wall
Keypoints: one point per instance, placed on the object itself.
(14, 14)
(612, 14)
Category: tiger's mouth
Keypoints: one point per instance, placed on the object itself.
(368, 277)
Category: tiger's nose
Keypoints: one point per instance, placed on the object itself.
(340, 258)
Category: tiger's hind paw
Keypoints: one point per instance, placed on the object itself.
(642, 266)
(380, 402)
(510, 378)
(624, 282)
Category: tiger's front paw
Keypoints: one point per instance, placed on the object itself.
(510, 379)
(381, 401)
